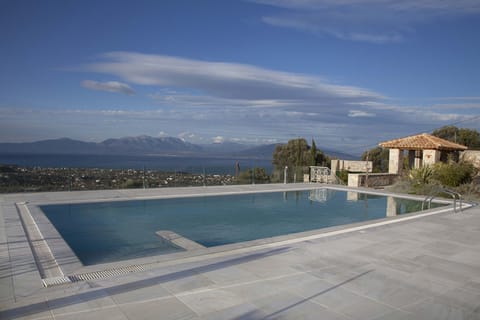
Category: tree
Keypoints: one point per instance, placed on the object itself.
(464, 136)
(322, 159)
(318, 158)
(293, 154)
(297, 155)
(379, 157)
(469, 138)
(313, 152)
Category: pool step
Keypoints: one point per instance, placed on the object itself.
(178, 240)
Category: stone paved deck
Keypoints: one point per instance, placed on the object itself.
(426, 268)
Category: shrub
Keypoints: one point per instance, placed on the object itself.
(421, 176)
(454, 174)
(132, 183)
(343, 176)
(260, 176)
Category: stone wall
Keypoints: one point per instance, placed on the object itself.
(374, 179)
(472, 156)
(395, 161)
(430, 157)
(352, 166)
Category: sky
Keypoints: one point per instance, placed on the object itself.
(347, 73)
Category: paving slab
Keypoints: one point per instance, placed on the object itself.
(108, 313)
(165, 309)
(285, 305)
(426, 268)
(208, 301)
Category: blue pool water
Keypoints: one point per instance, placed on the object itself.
(113, 231)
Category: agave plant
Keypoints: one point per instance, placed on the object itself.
(421, 176)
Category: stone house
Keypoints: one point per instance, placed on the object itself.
(423, 149)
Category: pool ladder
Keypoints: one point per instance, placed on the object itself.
(455, 195)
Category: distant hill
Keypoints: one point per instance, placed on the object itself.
(54, 146)
(260, 152)
(146, 145)
(149, 145)
(126, 146)
(337, 154)
(224, 148)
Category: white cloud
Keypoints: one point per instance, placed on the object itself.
(437, 7)
(218, 139)
(458, 98)
(374, 21)
(457, 106)
(225, 85)
(410, 115)
(110, 86)
(221, 79)
(225, 100)
(359, 113)
(255, 125)
(186, 135)
(331, 27)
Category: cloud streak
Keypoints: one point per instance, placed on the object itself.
(349, 128)
(373, 21)
(199, 82)
(360, 114)
(109, 86)
(242, 101)
(225, 80)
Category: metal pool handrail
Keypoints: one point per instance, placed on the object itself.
(428, 199)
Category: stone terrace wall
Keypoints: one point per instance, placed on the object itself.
(374, 179)
(472, 156)
(350, 165)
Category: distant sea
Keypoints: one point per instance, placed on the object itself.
(164, 163)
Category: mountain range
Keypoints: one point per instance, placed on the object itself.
(147, 145)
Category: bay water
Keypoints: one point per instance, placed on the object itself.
(164, 163)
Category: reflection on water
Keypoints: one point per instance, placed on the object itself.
(321, 195)
(394, 206)
(391, 207)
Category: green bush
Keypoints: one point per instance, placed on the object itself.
(421, 176)
(459, 177)
(343, 176)
(453, 174)
(246, 177)
(132, 183)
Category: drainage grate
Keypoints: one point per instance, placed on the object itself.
(55, 281)
(48, 282)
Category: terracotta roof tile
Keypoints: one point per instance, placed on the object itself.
(421, 142)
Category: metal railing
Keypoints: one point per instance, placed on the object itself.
(455, 195)
(324, 175)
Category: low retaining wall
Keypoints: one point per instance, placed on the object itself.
(472, 156)
(373, 180)
(350, 165)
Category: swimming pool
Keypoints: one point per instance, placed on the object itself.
(113, 231)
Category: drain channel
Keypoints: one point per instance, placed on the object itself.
(106, 273)
(55, 281)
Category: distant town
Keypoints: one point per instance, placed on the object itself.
(34, 179)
